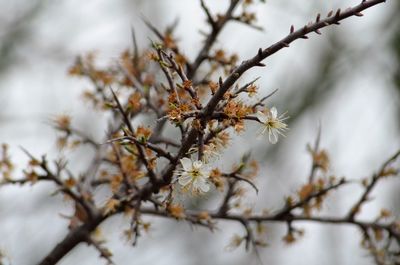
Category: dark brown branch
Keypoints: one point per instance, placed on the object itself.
(72, 239)
(214, 116)
(364, 225)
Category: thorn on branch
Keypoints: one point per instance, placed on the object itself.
(337, 13)
(135, 48)
(152, 28)
(235, 176)
(220, 81)
(170, 29)
(260, 103)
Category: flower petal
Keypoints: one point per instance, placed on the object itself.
(197, 164)
(205, 173)
(274, 112)
(184, 180)
(201, 184)
(261, 117)
(186, 164)
(273, 137)
(205, 187)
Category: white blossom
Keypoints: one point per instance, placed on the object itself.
(273, 124)
(194, 175)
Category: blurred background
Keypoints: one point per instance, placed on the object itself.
(347, 80)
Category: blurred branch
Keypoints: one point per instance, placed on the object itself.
(17, 32)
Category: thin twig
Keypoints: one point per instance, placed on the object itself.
(374, 180)
(215, 31)
(315, 151)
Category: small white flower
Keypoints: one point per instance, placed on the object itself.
(273, 124)
(211, 152)
(194, 175)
